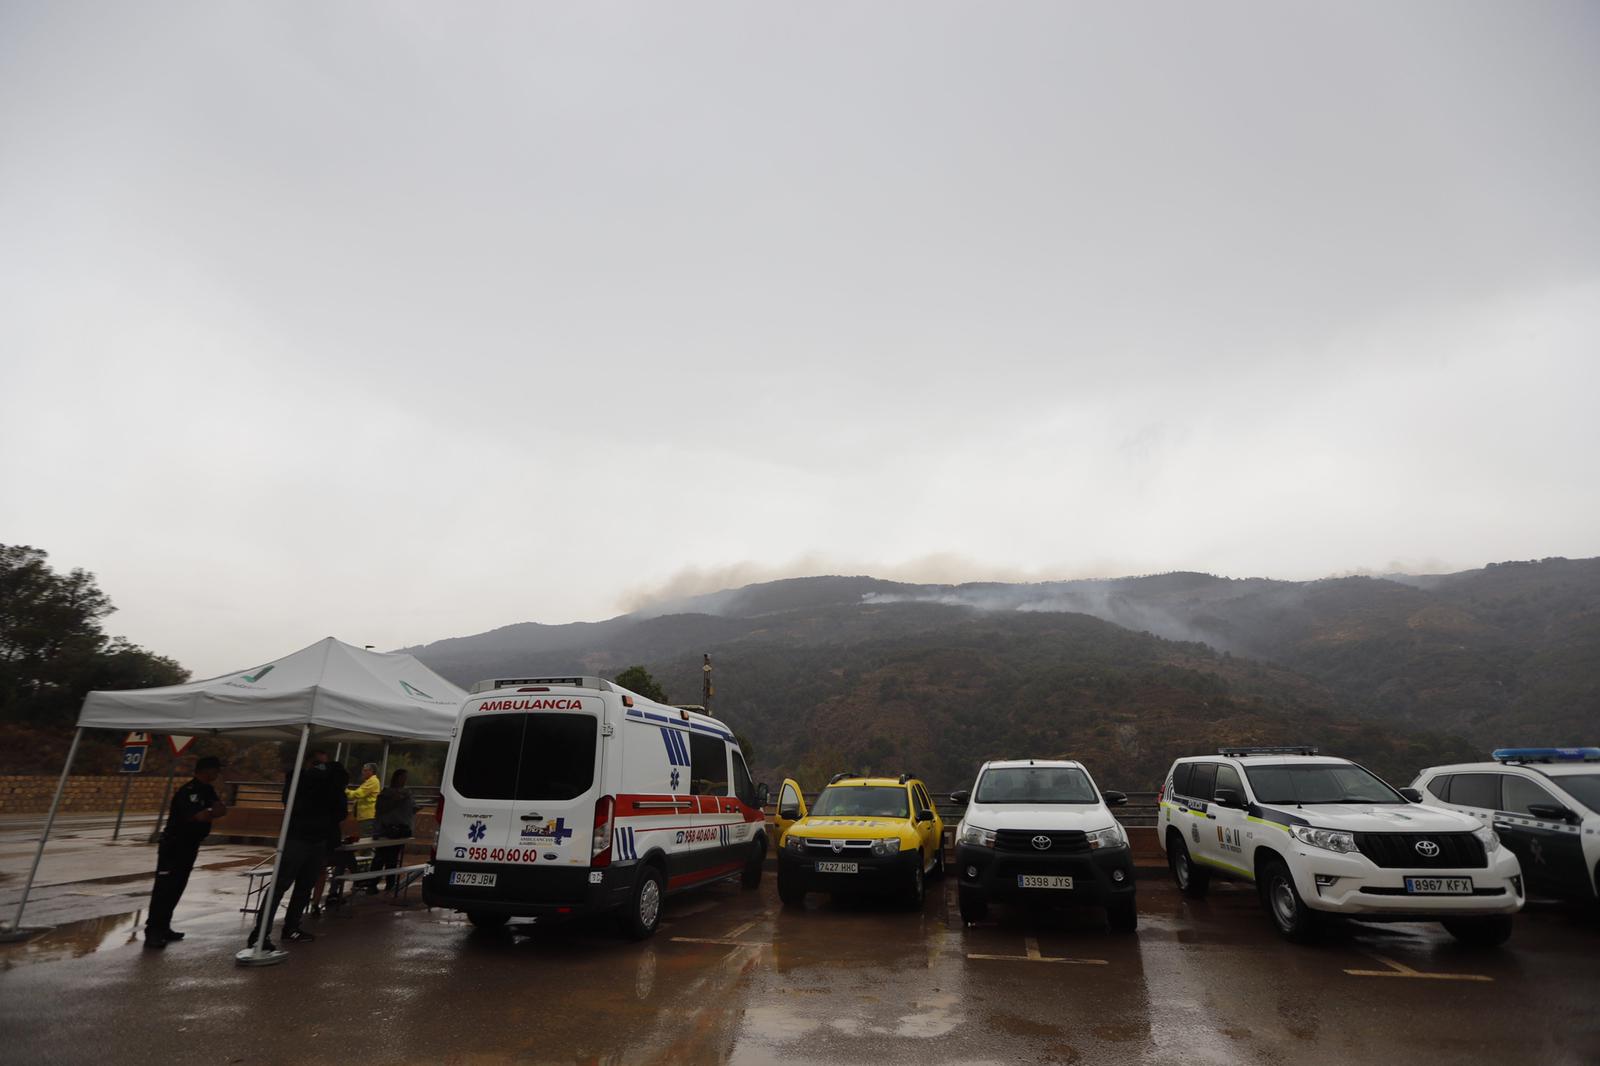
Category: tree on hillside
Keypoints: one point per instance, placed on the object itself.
(638, 679)
(52, 649)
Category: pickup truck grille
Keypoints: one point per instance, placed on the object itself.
(1062, 841)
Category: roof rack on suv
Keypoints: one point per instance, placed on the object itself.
(490, 684)
(1288, 749)
(836, 778)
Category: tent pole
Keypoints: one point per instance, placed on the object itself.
(383, 770)
(15, 932)
(258, 955)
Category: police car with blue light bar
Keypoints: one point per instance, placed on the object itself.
(1543, 802)
(1321, 836)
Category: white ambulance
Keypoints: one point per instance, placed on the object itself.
(572, 795)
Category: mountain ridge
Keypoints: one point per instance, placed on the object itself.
(814, 671)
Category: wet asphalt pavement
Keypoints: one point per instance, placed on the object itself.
(733, 977)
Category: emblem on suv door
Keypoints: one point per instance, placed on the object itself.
(1427, 849)
(1041, 842)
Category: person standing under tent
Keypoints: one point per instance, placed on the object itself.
(338, 808)
(396, 810)
(366, 813)
(366, 797)
(305, 851)
(194, 807)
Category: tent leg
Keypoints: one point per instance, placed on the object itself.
(166, 795)
(16, 931)
(258, 955)
(383, 768)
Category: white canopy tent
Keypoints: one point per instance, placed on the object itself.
(336, 690)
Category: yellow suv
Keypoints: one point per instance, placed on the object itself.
(865, 834)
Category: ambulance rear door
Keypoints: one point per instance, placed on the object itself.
(558, 781)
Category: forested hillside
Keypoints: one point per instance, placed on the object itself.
(833, 672)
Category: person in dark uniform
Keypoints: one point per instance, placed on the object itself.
(194, 807)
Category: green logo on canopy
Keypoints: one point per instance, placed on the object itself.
(412, 690)
(258, 675)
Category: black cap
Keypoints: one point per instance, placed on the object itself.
(208, 762)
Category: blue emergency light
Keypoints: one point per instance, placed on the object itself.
(1547, 755)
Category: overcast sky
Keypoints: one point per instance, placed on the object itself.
(398, 322)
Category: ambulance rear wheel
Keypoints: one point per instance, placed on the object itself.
(642, 913)
(484, 920)
(757, 863)
(1190, 879)
(1488, 932)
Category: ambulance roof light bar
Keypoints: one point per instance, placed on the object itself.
(1288, 749)
(490, 684)
(1524, 755)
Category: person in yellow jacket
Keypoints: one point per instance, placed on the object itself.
(366, 797)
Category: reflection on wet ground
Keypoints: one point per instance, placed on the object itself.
(734, 977)
(75, 939)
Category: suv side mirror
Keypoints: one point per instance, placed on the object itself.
(1115, 798)
(1227, 797)
(963, 796)
(761, 795)
(1411, 794)
(1551, 812)
(924, 815)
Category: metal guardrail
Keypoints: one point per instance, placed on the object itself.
(269, 794)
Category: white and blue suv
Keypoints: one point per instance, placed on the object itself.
(1321, 836)
(1545, 805)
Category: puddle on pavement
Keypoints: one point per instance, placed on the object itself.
(73, 940)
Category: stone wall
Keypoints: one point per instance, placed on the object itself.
(31, 793)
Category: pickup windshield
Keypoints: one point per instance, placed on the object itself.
(1327, 783)
(868, 801)
(1035, 784)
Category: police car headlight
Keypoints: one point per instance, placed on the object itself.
(794, 844)
(1488, 838)
(1113, 837)
(1327, 839)
(971, 834)
(886, 847)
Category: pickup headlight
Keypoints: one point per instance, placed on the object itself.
(886, 847)
(794, 843)
(971, 834)
(1112, 837)
(1327, 839)
(1488, 838)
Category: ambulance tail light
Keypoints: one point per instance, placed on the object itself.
(600, 843)
(438, 827)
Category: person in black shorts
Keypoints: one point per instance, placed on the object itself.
(194, 807)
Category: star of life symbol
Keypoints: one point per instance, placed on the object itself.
(476, 831)
(675, 779)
